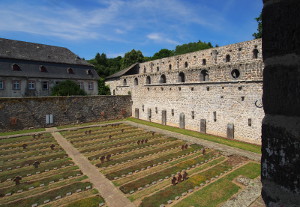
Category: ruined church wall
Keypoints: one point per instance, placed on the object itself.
(231, 97)
(22, 113)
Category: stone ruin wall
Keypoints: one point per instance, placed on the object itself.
(232, 99)
(24, 113)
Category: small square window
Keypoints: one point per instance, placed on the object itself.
(91, 86)
(31, 85)
(45, 85)
(1, 84)
(16, 85)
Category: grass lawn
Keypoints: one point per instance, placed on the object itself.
(220, 140)
(21, 131)
(87, 124)
(221, 190)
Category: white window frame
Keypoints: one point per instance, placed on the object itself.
(91, 85)
(16, 85)
(2, 85)
(31, 85)
(81, 85)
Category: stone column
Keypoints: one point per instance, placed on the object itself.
(281, 99)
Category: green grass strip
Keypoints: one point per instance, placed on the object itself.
(221, 190)
(88, 124)
(220, 140)
(22, 131)
(88, 202)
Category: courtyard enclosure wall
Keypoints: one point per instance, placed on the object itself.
(22, 113)
(219, 87)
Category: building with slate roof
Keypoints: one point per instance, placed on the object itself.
(30, 69)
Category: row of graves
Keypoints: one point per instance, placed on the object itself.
(36, 171)
(152, 169)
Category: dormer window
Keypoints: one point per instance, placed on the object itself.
(89, 72)
(16, 67)
(70, 71)
(43, 68)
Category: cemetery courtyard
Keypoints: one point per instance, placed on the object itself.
(127, 163)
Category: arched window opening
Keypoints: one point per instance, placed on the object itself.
(181, 77)
(204, 62)
(227, 58)
(43, 69)
(235, 73)
(170, 67)
(70, 71)
(16, 67)
(157, 69)
(255, 53)
(163, 79)
(148, 80)
(124, 82)
(145, 70)
(136, 82)
(204, 75)
(186, 64)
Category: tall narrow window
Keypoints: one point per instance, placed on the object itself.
(148, 80)
(227, 58)
(181, 77)
(215, 116)
(1, 84)
(91, 85)
(249, 122)
(255, 53)
(136, 82)
(31, 85)
(16, 85)
(170, 67)
(186, 64)
(204, 62)
(81, 85)
(145, 70)
(157, 69)
(124, 82)
(45, 85)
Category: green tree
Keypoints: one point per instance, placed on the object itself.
(163, 53)
(258, 34)
(191, 47)
(102, 88)
(67, 88)
(134, 56)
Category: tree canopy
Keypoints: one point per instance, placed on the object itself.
(67, 88)
(258, 34)
(134, 56)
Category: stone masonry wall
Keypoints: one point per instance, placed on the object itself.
(220, 99)
(21, 113)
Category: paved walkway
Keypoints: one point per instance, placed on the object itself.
(224, 148)
(112, 195)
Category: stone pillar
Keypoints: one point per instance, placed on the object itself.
(281, 100)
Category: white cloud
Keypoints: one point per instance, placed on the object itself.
(160, 38)
(108, 20)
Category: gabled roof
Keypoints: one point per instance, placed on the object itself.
(14, 49)
(133, 69)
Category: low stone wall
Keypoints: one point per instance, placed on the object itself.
(22, 113)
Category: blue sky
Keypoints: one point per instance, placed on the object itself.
(118, 26)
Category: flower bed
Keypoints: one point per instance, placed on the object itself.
(145, 164)
(137, 155)
(31, 170)
(33, 184)
(171, 192)
(133, 186)
(49, 195)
